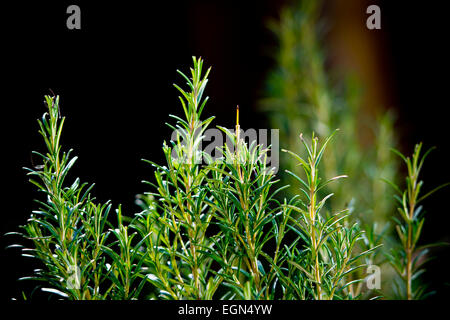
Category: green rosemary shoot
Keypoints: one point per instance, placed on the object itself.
(409, 259)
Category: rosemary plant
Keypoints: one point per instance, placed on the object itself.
(210, 228)
(245, 207)
(408, 259)
(302, 96)
(176, 224)
(329, 257)
(230, 196)
(70, 233)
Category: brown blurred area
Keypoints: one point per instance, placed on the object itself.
(236, 38)
(356, 51)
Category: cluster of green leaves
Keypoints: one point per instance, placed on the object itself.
(245, 209)
(302, 96)
(408, 258)
(177, 221)
(329, 256)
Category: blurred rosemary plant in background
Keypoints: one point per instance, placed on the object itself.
(302, 98)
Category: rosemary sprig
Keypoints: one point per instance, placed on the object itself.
(179, 217)
(409, 259)
(328, 258)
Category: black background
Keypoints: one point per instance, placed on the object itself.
(115, 79)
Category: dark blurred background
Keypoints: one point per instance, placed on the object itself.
(115, 79)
